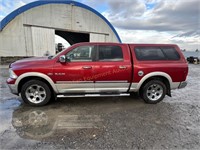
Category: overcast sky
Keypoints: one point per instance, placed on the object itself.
(143, 21)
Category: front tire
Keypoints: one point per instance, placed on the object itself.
(36, 93)
(153, 91)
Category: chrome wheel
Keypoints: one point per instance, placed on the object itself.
(35, 93)
(154, 92)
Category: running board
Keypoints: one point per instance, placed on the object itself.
(94, 95)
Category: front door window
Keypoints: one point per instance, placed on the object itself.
(81, 54)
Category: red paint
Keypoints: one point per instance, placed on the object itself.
(102, 71)
(177, 70)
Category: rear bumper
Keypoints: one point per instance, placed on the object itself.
(182, 84)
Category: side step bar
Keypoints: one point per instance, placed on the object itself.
(93, 95)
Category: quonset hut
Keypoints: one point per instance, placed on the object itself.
(30, 30)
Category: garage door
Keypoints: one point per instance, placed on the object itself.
(43, 40)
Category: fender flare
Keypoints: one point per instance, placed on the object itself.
(137, 86)
(152, 74)
(37, 74)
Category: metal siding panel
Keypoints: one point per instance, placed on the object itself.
(43, 41)
(17, 41)
(61, 16)
(37, 4)
(97, 37)
(12, 39)
(28, 41)
(107, 39)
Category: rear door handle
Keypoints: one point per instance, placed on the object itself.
(87, 67)
(122, 67)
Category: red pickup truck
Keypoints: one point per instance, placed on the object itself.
(100, 69)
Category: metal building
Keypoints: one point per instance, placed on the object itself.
(31, 29)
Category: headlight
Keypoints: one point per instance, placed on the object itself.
(12, 74)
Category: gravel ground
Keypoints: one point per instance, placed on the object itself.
(103, 123)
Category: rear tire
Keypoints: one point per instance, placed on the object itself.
(36, 93)
(153, 91)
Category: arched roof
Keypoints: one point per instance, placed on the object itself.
(24, 8)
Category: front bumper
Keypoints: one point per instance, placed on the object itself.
(182, 84)
(13, 89)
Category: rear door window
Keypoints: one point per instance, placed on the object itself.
(110, 53)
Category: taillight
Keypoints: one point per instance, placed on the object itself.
(185, 73)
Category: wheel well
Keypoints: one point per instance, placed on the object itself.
(161, 78)
(26, 79)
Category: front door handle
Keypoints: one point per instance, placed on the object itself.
(122, 67)
(87, 67)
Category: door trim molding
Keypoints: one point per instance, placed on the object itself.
(123, 81)
(73, 82)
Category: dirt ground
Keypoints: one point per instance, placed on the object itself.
(103, 123)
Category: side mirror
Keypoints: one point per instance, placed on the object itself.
(62, 59)
(68, 59)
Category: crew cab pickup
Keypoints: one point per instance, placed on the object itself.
(101, 69)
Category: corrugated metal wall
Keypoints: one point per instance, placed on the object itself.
(97, 37)
(33, 32)
(43, 41)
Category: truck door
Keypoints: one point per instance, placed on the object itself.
(75, 76)
(112, 68)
